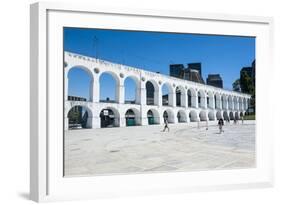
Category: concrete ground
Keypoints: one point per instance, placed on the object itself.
(147, 149)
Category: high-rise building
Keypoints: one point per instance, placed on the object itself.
(195, 66)
(176, 70)
(215, 80)
(192, 72)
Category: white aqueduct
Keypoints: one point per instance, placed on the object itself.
(198, 102)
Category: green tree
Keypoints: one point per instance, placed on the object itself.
(246, 83)
(74, 116)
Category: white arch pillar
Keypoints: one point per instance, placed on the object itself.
(122, 120)
(65, 87)
(184, 98)
(120, 92)
(141, 93)
(158, 97)
(95, 91)
(143, 117)
(95, 120)
(204, 101)
(194, 100)
(172, 116)
(66, 121)
(247, 103)
(172, 98)
(218, 102)
(212, 102)
(226, 104)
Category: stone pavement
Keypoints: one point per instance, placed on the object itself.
(147, 149)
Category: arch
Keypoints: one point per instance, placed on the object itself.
(152, 92)
(210, 100)
(169, 115)
(109, 117)
(248, 102)
(153, 117)
(193, 117)
(225, 115)
(203, 115)
(132, 90)
(224, 101)
(181, 116)
(201, 99)
(191, 95)
(241, 114)
(77, 75)
(218, 115)
(167, 95)
(132, 117)
(235, 103)
(245, 103)
(217, 98)
(84, 68)
(240, 103)
(180, 96)
(79, 116)
(236, 116)
(211, 115)
(231, 116)
(109, 86)
(230, 102)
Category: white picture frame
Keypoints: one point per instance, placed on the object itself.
(46, 180)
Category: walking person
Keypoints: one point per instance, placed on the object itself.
(242, 119)
(166, 125)
(220, 123)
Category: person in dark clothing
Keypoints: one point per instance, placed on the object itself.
(220, 123)
(166, 125)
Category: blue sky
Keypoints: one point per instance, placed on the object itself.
(155, 51)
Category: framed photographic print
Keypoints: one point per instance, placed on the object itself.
(130, 102)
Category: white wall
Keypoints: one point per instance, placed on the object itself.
(14, 103)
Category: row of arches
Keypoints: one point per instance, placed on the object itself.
(80, 116)
(111, 90)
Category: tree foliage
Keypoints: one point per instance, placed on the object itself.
(74, 116)
(236, 85)
(246, 83)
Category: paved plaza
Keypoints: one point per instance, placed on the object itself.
(141, 149)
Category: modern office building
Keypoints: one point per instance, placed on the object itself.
(195, 66)
(215, 80)
(192, 72)
(176, 70)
